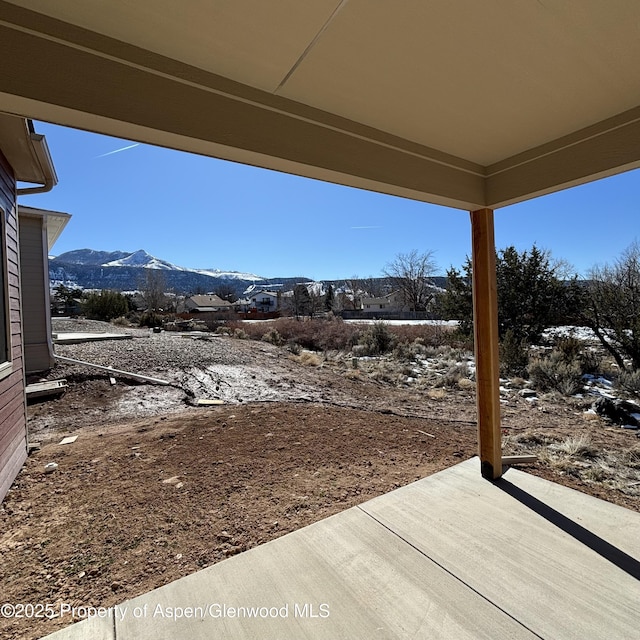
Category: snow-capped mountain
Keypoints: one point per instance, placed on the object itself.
(145, 260)
(90, 256)
(230, 275)
(126, 271)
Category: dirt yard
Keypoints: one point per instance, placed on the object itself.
(155, 488)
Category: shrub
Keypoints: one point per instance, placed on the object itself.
(552, 373)
(629, 382)
(406, 352)
(428, 334)
(105, 306)
(574, 350)
(308, 359)
(570, 348)
(514, 355)
(150, 319)
(377, 339)
(294, 347)
(273, 337)
(456, 373)
(120, 321)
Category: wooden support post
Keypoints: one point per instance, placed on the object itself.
(485, 322)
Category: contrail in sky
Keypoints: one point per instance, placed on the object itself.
(137, 144)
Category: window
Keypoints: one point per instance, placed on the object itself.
(5, 326)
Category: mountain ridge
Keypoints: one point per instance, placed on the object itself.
(127, 271)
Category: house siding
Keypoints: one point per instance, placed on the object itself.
(37, 351)
(13, 422)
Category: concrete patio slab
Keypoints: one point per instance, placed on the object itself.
(565, 564)
(79, 337)
(450, 556)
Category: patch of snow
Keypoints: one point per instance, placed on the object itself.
(435, 323)
(569, 331)
(597, 380)
(229, 275)
(141, 258)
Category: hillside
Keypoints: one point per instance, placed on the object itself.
(126, 271)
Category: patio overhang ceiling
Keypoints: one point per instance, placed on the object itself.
(467, 104)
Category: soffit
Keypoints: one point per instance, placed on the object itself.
(54, 221)
(17, 146)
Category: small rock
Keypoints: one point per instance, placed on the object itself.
(50, 467)
(527, 393)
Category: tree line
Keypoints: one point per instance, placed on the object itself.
(534, 293)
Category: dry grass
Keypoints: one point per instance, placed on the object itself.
(333, 334)
(308, 359)
(577, 446)
(577, 456)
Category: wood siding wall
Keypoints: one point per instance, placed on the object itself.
(13, 422)
(35, 321)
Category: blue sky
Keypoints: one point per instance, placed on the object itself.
(206, 213)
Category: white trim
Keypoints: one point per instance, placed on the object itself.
(6, 366)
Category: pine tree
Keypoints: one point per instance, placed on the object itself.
(531, 297)
(329, 298)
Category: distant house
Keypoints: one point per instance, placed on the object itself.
(242, 305)
(24, 157)
(391, 303)
(264, 301)
(38, 230)
(204, 303)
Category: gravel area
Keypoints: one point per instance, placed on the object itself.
(196, 366)
(80, 325)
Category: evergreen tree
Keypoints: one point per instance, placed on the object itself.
(329, 298)
(531, 297)
(105, 305)
(301, 301)
(457, 302)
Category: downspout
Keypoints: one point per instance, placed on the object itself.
(41, 151)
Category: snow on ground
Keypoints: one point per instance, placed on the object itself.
(435, 323)
(568, 331)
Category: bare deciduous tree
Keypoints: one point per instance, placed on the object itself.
(226, 292)
(153, 289)
(353, 292)
(613, 311)
(411, 274)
